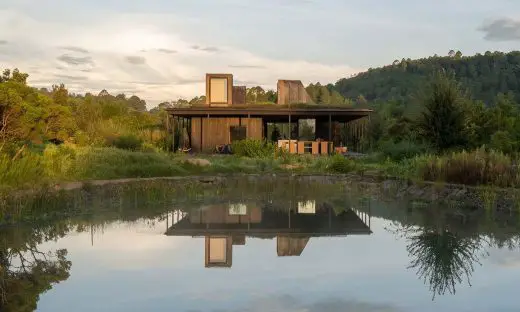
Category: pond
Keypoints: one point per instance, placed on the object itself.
(256, 246)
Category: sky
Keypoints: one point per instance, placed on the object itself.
(160, 50)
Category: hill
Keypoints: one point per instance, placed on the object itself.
(483, 75)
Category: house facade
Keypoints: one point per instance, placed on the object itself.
(294, 120)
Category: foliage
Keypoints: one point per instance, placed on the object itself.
(253, 148)
(128, 142)
(442, 120)
(341, 164)
(403, 149)
(483, 75)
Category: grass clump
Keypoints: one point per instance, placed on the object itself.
(478, 167)
(253, 148)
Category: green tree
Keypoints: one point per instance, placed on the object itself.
(442, 121)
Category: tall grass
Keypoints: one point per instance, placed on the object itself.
(21, 171)
(478, 167)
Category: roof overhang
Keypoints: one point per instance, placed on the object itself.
(271, 111)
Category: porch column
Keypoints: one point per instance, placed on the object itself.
(330, 131)
(290, 129)
(173, 133)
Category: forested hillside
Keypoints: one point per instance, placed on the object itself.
(483, 75)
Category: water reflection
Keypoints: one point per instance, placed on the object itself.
(441, 258)
(256, 227)
(26, 271)
(293, 225)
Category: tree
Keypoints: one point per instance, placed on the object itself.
(451, 53)
(137, 104)
(442, 121)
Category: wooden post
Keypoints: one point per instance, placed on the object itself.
(173, 133)
(330, 129)
(290, 128)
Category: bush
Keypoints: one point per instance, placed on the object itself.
(341, 164)
(253, 148)
(128, 142)
(402, 150)
(479, 167)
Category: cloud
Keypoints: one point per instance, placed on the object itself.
(502, 29)
(75, 49)
(135, 60)
(248, 66)
(114, 63)
(75, 60)
(167, 51)
(205, 49)
(71, 78)
(3, 42)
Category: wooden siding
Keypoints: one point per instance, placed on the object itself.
(216, 131)
(239, 95)
(292, 91)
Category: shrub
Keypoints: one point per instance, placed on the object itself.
(253, 148)
(341, 164)
(402, 150)
(128, 142)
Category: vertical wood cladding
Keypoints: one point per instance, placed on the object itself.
(292, 91)
(216, 131)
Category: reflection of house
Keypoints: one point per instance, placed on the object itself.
(226, 225)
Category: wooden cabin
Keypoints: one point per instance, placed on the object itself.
(294, 121)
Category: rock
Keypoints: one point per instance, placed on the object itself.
(198, 162)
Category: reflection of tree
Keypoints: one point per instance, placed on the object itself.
(442, 258)
(25, 271)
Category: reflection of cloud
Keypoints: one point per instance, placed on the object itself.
(290, 304)
(501, 29)
(505, 257)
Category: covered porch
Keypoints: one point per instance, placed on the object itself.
(312, 129)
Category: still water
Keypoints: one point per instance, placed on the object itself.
(284, 249)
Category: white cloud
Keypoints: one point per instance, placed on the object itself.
(133, 52)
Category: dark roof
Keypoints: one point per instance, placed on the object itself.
(258, 110)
